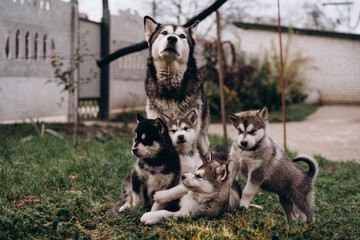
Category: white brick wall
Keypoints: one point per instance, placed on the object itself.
(337, 61)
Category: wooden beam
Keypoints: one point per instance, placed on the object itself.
(221, 75)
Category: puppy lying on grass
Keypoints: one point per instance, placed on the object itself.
(209, 193)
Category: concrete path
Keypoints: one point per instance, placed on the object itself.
(332, 131)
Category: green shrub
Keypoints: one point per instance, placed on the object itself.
(255, 84)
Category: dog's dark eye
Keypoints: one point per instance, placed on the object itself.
(198, 176)
(164, 33)
(252, 131)
(182, 36)
(173, 131)
(186, 128)
(240, 131)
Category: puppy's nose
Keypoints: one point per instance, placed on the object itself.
(183, 177)
(181, 137)
(172, 39)
(244, 143)
(134, 150)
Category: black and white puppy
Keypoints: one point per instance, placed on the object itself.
(173, 84)
(262, 162)
(157, 168)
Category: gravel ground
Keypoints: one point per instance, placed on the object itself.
(332, 131)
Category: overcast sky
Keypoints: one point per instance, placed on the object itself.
(93, 9)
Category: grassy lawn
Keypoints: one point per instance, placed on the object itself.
(48, 190)
(294, 112)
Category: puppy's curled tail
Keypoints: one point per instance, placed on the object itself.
(313, 166)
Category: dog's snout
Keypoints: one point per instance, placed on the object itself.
(244, 143)
(172, 39)
(134, 150)
(181, 137)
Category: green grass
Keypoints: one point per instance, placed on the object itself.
(48, 190)
(294, 112)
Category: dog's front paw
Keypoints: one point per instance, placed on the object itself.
(162, 197)
(150, 218)
(244, 205)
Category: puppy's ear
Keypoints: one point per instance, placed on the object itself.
(150, 26)
(221, 172)
(263, 114)
(206, 158)
(160, 125)
(192, 28)
(233, 118)
(193, 118)
(165, 118)
(139, 117)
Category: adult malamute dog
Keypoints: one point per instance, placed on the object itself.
(157, 168)
(173, 85)
(208, 193)
(264, 165)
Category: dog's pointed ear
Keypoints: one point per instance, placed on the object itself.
(233, 118)
(193, 117)
(160, 125)
(165, 118)
(150, 26)
(206, 158)
(139, 117)
(221, 172)
(192, 28)
(263, 114)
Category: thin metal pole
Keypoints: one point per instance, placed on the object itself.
(221, 75)
(282, 76)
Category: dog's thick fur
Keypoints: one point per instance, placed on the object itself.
(264, 165)
(157, 168)
(208, 194)
(182, 132)
(173, 85)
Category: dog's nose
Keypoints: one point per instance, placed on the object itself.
(183, 177)
(244, 143)
(134, 150)
(172, 39)
(181, 137)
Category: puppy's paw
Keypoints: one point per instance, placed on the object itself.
(150, 218)
(122, 208)
(162, 197)
(244, 205)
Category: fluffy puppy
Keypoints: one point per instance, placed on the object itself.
(264, 165)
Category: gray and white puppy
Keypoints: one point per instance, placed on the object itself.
(183, 137)
(173, 85)
(208, 194)
(262, 162)
(182, 132)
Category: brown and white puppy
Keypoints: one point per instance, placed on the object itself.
(262, 162)
(208, 194)
(173, 85)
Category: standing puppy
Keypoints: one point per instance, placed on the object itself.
(173, 85)
(157, 168)
(264, 165)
